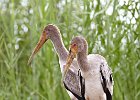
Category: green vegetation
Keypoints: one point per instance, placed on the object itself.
(112, 29)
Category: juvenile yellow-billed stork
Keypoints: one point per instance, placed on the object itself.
(94, 69)
(72, 81)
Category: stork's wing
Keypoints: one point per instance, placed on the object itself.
(75, 84)
(106, 80)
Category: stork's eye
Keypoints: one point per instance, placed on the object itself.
(74, 45)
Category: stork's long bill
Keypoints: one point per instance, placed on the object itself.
(71, 56)
(42, 40)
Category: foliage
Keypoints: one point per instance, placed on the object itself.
(110, 27)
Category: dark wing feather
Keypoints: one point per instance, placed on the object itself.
(75, 84)
(104, 83)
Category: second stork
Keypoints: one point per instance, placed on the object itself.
(94, 69)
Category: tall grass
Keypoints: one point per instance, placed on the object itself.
(113, 34)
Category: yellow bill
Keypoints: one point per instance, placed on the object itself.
(40, 43)
(71, 56)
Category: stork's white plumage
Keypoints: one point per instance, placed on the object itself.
(94, 69)
(52, 32)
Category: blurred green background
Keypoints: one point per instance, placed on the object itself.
(111, 27)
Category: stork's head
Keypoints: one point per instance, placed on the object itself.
(49, 32)
(77, 45)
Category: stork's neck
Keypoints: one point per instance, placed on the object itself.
(59, 47)
(83, 61)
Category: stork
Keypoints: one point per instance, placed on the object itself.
(94, 69)
(52, 32)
